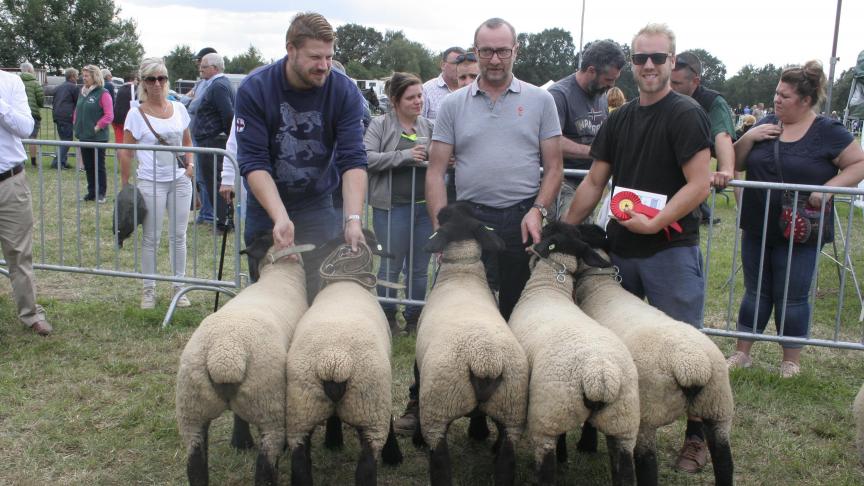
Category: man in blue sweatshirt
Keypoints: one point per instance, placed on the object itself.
(299, 130)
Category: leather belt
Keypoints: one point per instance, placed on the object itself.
(11, 172)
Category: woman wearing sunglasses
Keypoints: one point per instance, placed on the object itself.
(396, 145)
(93, 114)
(164, 178)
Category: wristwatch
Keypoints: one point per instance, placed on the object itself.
(542, 209)
(352, 217)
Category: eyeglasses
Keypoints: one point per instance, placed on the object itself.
(488, 52)
(202, 66)
(153, 79)
(656, 57)
(468, 56)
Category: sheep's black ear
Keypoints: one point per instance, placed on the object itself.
(547, 246)
(487, 238)
(594, 235)
(591, 257)
(437, 242)
(261, 243)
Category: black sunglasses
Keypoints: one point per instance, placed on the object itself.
(681, 64)
(468, 56)
(656, 57)
(153, 79)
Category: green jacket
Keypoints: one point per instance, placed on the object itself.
(35, 94)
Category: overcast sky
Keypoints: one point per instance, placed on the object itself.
(738, 32)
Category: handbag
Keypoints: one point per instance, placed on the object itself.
(181, 163)
(805, 228)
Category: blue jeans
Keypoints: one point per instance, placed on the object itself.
(205, 214)
(397, 241)
(507, 271)
(94, 165)
(64, 132)
(797, 305)
(316, 224)
(672, 280)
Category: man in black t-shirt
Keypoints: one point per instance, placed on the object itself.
(660, 143)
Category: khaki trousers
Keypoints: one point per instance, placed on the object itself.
(16, 241)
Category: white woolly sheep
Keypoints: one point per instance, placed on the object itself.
(467, 357)
(580, 370)
(680, 369)
(236, 360)
(338, 369)
(858, 412)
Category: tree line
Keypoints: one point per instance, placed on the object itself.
(55, 34)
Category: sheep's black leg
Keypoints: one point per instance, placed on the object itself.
(588, 441)
(478, 429)
(546, 470)
(301, 465)
(366, 473)
(390, 454)
(645, 457)
(241, 438)
(196, 466)
(561, 449)
(333, 433)
(505, 461)
(721, 453)
(621, 463)
(496, 446)
(266, 472)
(440, 469)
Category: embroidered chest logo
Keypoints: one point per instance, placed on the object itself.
(240, 125)
(520, 110)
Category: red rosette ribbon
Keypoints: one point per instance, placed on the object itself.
(629, 201)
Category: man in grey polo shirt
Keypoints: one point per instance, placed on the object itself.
(501, 130)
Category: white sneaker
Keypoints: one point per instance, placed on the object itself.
(182, 301)
(739, 360)
(148, 298)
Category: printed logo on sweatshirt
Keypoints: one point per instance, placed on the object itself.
(300, 147)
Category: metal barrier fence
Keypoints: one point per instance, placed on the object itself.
(839, 335)
(58, 203)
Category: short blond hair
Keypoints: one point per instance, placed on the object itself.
(151, 66)
(655, 29)
(95, 74)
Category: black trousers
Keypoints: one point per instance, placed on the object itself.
(211, 170)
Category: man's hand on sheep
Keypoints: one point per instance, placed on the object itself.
(283, 235)
(532, 223)
(354, 233)
(640, 224)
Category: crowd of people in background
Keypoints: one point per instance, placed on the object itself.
(303, 136)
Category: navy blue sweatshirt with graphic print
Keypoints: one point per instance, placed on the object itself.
(304, 139)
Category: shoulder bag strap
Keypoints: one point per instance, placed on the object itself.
(159, 138)
(777, 155)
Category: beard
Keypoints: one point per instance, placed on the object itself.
(594, 89)
(311, 78)
(655, 86)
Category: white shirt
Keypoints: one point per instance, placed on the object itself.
(171, 129)
(227, 168)
(434, 91)
(16, 122)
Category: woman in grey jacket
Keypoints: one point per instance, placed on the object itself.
(396, 145)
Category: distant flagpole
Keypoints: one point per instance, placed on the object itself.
(582, 33)
(833, 60)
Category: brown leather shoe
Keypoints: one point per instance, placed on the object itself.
(42, 328)
(693, 456)
(405, 424)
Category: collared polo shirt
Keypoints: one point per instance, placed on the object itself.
(497, 144)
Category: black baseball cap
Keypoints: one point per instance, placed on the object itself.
(204, 52)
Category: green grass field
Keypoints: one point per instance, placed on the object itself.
(94, 403)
